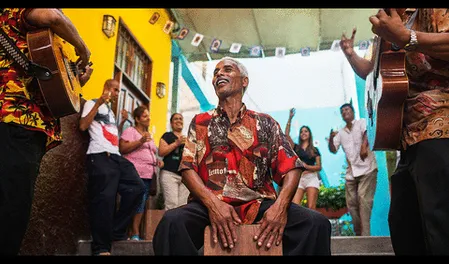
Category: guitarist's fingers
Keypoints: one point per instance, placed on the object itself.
(393, 12)
(375, 23)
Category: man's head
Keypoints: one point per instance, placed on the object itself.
(230, 77)
(347, 112)
(112, 86)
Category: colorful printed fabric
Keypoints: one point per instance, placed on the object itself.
(427, 105)
(17, 103)
(239, 162)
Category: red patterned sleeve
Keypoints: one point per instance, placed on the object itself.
(189, 157)
(284, 158)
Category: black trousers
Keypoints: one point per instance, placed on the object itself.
(110, 174)
(181, 230)
(419, 210)
(20, 157)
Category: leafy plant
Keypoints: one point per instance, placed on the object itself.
(347, 229)
(332, 197)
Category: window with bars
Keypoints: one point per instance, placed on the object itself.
(131, 59)
(133, 69)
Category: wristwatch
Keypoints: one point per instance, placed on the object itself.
(411, 46)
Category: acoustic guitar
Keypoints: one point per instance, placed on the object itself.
(386, 91)
(61, 94)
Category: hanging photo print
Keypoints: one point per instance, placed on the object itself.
(183, 33)
(280, 52)
(235, 48)
(363, 45)
(168, 26)
(215, 45)
(255, 51)
(154, 18)
(305, 51)
(197, 39)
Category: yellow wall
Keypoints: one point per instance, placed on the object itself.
(154, 41)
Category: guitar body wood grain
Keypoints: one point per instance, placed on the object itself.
(62, 93)
(386, 91)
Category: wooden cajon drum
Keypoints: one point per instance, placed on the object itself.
(245, 245)
(152, 218)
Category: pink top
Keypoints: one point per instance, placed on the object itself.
(144, 157)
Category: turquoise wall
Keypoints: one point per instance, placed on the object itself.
(320, 121)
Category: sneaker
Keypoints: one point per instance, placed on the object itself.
(135, 237)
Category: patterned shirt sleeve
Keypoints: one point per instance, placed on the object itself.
(284, 158)
(189, 155)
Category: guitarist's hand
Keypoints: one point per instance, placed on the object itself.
(84, 56)
(390, 27)
(347, 45)
(85, 76)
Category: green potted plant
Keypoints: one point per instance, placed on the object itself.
(331, 201)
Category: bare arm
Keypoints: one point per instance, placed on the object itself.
(87, 120)
(316, 167)
(60, 24)
(165, 148)
(331, 145)
(361, 66)
(129, 146)
(365, 147)
(287, 127)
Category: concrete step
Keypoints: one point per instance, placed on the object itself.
(361, 245)
(340, 246)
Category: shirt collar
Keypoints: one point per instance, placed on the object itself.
(221, 112)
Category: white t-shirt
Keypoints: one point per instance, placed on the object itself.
(103, 131)
(351, 142)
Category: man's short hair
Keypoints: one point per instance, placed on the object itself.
(345, 105)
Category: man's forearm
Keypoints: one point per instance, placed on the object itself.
(196, 186)
(289, 186)
(361, 66)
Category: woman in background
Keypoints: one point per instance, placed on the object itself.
(311, 156)
(171, 146)
(137, 145)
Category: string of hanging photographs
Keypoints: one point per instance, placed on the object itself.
(254, 51)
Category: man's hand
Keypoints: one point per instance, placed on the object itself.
(105, 97)
(85, 76)
(272, 226)
(390, 27)
(223, 219)
(347, 45)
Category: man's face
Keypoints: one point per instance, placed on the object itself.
(227, 79)
(347, 114)
(114, 89)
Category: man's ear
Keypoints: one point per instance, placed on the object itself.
(245, 83)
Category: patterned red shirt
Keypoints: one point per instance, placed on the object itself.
(239, 162)
(17, 101)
